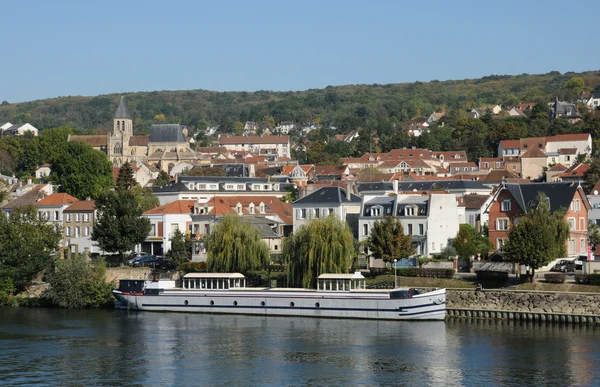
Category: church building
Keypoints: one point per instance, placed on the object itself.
(165, 147)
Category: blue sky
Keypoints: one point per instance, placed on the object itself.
(60, 48)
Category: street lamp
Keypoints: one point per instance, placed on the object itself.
(395, 260)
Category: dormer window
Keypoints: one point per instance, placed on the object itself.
(251, 208)
(376, 211)
(262, 208)
(239, 208)
(409, 211)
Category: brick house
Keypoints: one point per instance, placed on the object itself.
(511, 201)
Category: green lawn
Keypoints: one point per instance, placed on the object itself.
(425, 282)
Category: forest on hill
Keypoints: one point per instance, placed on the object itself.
(371, 107)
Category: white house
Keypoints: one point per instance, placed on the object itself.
(165, 220)
(594, 101)
(9, 129)
(43, 171)
(271, 147)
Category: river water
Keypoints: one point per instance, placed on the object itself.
(110, 347)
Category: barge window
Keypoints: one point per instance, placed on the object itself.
(212, 303)
(291, 304)
(262, 303)
(185, 302)
(234, 303)
(317, 305)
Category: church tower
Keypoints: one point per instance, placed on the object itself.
(118, 142)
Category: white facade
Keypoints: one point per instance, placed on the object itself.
(163, 228)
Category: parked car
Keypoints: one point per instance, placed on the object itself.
(135, 257)
(146, 260)
(564, 266)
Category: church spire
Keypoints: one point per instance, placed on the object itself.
(122, 110)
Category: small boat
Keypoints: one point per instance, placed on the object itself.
(336, 296)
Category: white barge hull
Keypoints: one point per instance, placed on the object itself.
(368, 305)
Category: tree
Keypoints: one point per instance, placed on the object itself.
(76, 283)
(120, 226)
(238, 127)
(145, 197)
(4, 192)
(82, 171)
(539, 237)
(162, 179)
(387, 240)
(324, 245)
(26, 244)
(204, 171)
(468, 242)
(592, 175)
(577, 84)
(180, 251)
(125, 179)
(593, 235)
(235, 246)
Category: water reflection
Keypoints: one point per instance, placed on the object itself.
(120, 348)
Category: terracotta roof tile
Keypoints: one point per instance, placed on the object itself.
(175, 207)
(81, 205)
(231, 140)
(57, 199)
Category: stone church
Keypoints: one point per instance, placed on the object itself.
(165, 147)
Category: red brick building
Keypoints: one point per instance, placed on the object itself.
(511, 201)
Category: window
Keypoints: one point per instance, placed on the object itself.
(472, 220)
(240, 187)
(409, 211)
(365, 229)
(77, 232)
(432, 246)
(86, 217)
(68, 217)
(506, 205)
(77, 217)
(572, 224)
(571, 246)
(375, 211)
(153, 230)
(330, 211)
(514, 167)
(86, 231)
(497, 164)
(409, 229)
(301, 213)
(502, 224)
(68, 231)
(317, 212)
(229, 186)
(251, 208)
(55, 215)
(239, 209)
(421, 229)
(201, 186)
(500, 243)
(582, 245)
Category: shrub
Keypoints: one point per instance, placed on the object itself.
(420, 272)
(483, 275)
(593, 279)
(193, 267)
(6, 291)
(555, 278)
(581, 279)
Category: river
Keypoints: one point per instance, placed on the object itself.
(109, 347)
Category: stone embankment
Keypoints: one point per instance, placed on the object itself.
(114, 274)
(524, 305)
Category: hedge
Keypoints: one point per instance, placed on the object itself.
(588, 279)
(555, 278)
(425, 272)
(492, 275)
(193, 267)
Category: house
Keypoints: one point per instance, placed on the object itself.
(324, 202)
(489, 163)
(284, 127)
(331, 172)
(77, 226)
(475, 214)
(52, 206)
(462, 167)
(554, 172)
(27, 198)
(9, 129)
(205, 187)
(594, 101)
(574, 174)
(497, 176)
(483, 110)
(435, 117)
(272, 147)
(43, 171)
(268, 214)
(564, 109)
(509, 148)
(515, 112)
(250, 126)
(431, 218)
(512, 201)
(165, 220)
(533, 163)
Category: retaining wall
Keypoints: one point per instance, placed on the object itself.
(524, 305)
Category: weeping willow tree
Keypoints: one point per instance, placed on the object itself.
(235, 246)
(322, 246)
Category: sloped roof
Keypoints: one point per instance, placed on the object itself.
(139, 140)
(558, 168)
(569, 137)
(497, 175)
(560, 194)
(223, 205)
(92, 140)
(167, 133)
(27, 198)
(333, 195)
(232, 140)
(510, 144)
(175, 207)
(533, 152)
(577, 170)
(122, 110)
(474, 201)
(57, 199)
(81, 205)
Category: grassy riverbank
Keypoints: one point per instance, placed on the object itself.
(425, 282)
(575, 288)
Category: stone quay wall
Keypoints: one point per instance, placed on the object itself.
(524, 305)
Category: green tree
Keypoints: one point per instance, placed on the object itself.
(592, 175)
(324, 245)
(76, 283)
(120, 225)
(235, 246)
(238, 127)
(145, 197)
(539, 237)
(468, 242)
(162, 179)
(180, 251)
(593, 235)
(26, 244)
(82, 171)
(125, 179)
(387, 240)
(292, 194)
(204, 171)
(4, 192)
(577, 84)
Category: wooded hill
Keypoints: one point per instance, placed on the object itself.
(373, 107)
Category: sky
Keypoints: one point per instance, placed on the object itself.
(61, 48)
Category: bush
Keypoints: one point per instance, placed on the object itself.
(581, 279)
(420, 272)
(593, 279)
(555, 278)
(483, 275)
(6, 291)
(193, 267)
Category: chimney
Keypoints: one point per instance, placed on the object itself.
(395, 184)
(348, 190)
